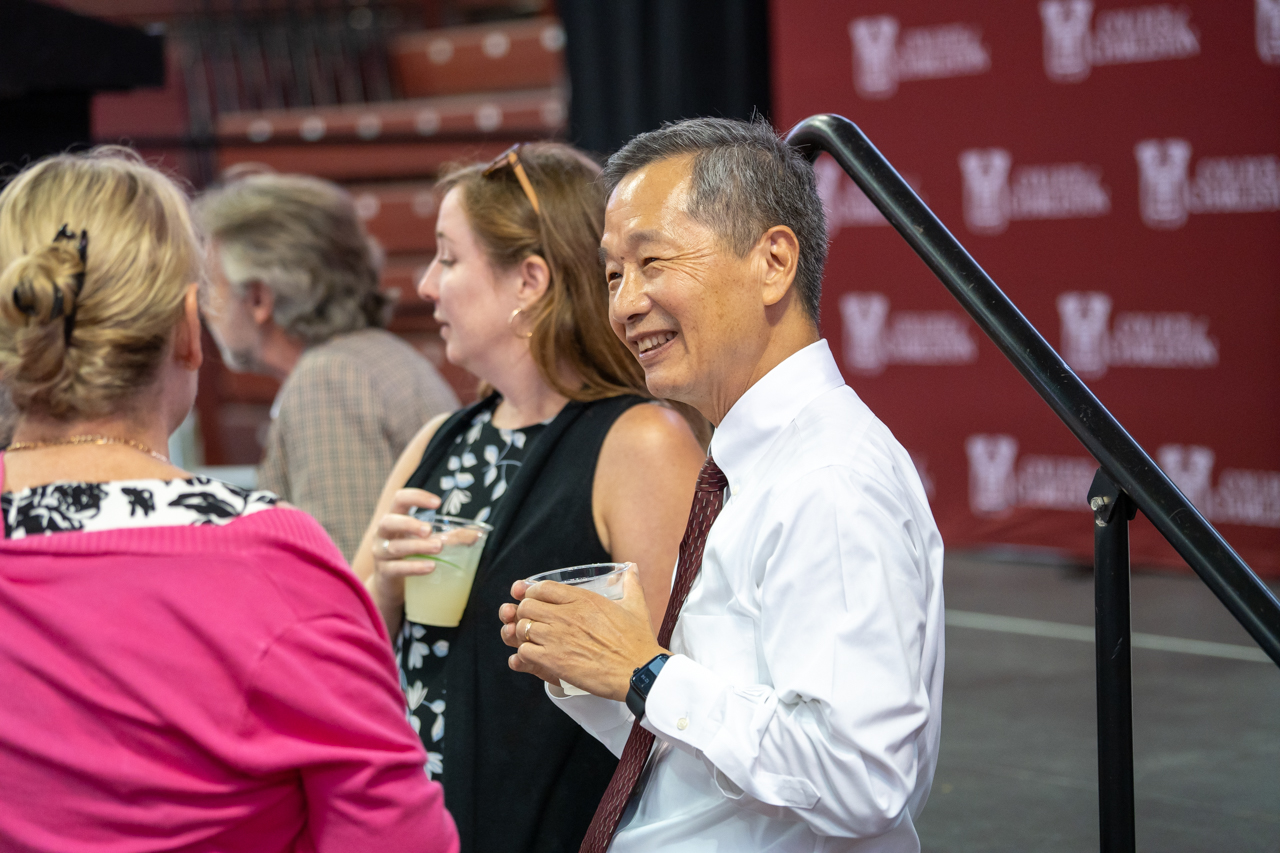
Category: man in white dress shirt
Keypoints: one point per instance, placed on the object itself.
(798, 705)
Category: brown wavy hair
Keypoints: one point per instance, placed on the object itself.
(570, 323)
(79, 339)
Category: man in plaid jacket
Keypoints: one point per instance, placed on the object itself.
(295, 295)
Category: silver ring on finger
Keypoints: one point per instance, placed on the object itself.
(386, 549)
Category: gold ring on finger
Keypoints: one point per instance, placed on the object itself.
(527, 628)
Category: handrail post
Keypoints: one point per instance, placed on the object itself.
(1112, 510)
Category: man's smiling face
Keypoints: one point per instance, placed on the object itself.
(684, 303)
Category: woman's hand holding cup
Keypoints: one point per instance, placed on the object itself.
(401, 542)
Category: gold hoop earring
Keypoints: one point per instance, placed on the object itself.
(511, 323)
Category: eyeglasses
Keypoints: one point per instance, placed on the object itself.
(511, 158)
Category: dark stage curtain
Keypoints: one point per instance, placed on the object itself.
(51, 63)
(634, 64)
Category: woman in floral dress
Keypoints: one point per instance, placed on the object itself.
(565, 455)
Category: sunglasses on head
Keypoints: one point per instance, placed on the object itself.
(511, 157)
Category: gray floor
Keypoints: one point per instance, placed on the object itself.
(1017, 770)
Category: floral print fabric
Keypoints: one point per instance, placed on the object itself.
(473, 477)
(89, 507)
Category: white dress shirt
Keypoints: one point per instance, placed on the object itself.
(801, 708)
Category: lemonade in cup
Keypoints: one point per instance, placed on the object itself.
(440, 597)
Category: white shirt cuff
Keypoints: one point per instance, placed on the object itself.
(682, 706)
(604, 719)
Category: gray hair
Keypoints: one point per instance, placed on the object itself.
(300, 237)
(746, 180)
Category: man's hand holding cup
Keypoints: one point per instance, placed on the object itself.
(563, 633)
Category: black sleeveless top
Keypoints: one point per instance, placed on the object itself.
(471, 479)
(521, 775)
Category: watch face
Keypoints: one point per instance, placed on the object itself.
(644, 680)
(644, 677)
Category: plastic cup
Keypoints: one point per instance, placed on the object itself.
(601, 578)
(440, 597)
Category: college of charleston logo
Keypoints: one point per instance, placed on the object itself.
(986, 189)
(1191, 469)
(992, 486)
(885, 54)
(1000, 480)
(1267, 30)
(1084, 319)
(874, 337)
(1241, 496)
(995, 192)
(1162, 181)
(1091, 343)
(1066, 34)
(1168, 192)
(1119, 36)
(842, 202)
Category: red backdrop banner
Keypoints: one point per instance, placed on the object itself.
(1113, 166)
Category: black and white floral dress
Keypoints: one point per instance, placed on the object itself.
(470, 481)
(89, 507)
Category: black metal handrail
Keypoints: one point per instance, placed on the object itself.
(1128, 480)
(1124, 460)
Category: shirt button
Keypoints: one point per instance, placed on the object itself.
(682, 723)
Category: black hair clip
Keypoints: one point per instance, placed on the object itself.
(82, 248)
(26, 308)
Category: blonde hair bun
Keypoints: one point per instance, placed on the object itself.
(43, 286)
(83, 329)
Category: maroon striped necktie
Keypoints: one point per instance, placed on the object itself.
(707, 502)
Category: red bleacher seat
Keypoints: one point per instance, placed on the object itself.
(529, 114)
(357, 162)
(486, 57)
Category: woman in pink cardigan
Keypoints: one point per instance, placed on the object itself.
(185, 664)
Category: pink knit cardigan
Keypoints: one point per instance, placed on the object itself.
(202, 688)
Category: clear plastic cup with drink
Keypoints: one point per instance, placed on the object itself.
(440, 597)
(601, 578)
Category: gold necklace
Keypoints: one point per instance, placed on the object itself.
(88, 439)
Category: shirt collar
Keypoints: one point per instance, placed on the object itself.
(769, 406)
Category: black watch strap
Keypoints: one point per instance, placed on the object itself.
(642, 679)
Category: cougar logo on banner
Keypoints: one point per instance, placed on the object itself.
(1162, 186)
(873, 338)
(1249, 184)
(992, 486)
(993, 195)
(1191, 469)
(875, 45)
(1267, 30)
(1084, 331)
(986, 189)
(1120, 36)
(1137, 339)
(884, 54)
(1066, 39)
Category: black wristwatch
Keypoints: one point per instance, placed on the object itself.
(642, 679)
